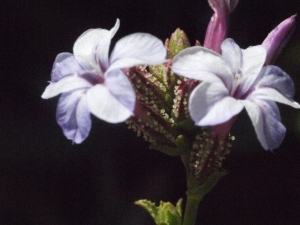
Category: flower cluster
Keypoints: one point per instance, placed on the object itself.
(209, 84)
(182, 99)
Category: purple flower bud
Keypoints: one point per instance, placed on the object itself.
(218, 26)
(277, 39)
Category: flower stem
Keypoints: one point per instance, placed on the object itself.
(196, 192)
(191, 209)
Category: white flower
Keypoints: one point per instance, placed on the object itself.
(91, 81)
(232, 81)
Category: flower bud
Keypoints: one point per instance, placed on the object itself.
(218, 26)
(176, 43)
(278, 38)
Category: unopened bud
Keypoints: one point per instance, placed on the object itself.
(278, 38)
(218, 26)
(177, 42)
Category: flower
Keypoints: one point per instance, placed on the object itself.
(92, 82)
(232, 81)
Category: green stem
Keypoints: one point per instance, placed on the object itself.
(191, 209)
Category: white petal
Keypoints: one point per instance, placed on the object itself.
(62, 56)
(115, 28)
(202, 64)
(118, 84)
(65, 64)
(232, 55)
(252, 63)
(73, 116)
(253, 60)
(209, 104)
(222, 111)
(265, 118)
(274, 77)
(107, 106)
(91, 48)
(66, 84)
(136, 49)
(273, 95)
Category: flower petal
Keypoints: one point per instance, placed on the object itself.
(209, 104)
(136, 49)
(266, 119)
(66, 84)
(114, 30)
(65, 64)
(202, 64)
(253, 60)
(119, 85)
(114, 100)
(274, 77)
(273, 95)
(91, 48)
(232, 55)
(73, 116)
(252, 63)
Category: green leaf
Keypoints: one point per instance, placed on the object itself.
(164, 214)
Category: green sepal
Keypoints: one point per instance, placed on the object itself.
(176, 43)
(164, 214)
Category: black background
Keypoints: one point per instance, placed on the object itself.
(44, 179)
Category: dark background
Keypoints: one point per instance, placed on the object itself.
(44, 179)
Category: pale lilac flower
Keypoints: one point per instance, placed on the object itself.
(92, 82)
(232, 81)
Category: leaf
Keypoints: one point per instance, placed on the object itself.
(164, 214)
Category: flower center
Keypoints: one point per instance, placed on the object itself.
(236, 82)
(93, 77)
